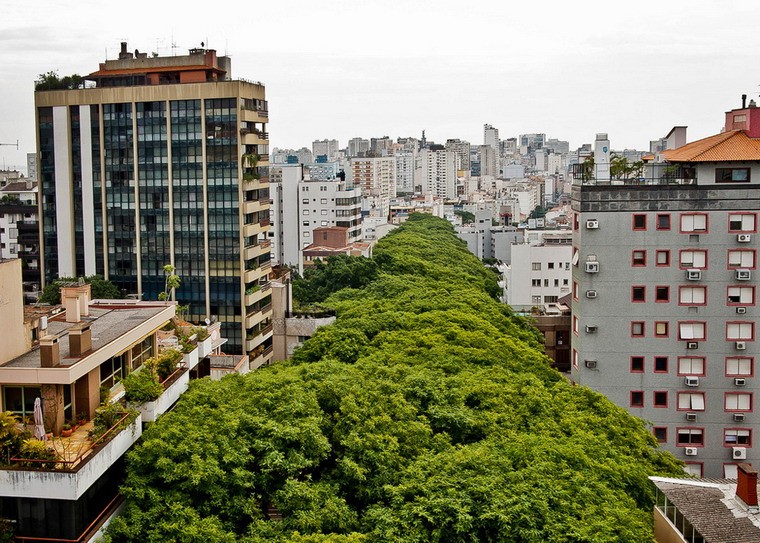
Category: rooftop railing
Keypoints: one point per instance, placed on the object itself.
(632, 174)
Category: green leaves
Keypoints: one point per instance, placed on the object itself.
(426, 413)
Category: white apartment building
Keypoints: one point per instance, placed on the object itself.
(439, 173)
(375, 176)
(406, 166)
(539, 272)
(300, 205)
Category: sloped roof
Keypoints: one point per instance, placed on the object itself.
(733, 146)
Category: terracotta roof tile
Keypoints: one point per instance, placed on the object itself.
(731, 146)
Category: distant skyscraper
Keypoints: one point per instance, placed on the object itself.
(325, 147)
(358, 147)
(462, 151)
(491, 137)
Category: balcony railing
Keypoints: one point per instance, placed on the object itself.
(632, 174)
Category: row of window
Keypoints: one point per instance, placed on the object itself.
(694, 401)
(734, 366)
(688, 330)
(696, 330)
(697, 222)
(537, 282)
(536, 266)
(695, 258)
(694, 294)
(695, 437)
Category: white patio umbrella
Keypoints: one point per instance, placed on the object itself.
(39, 425)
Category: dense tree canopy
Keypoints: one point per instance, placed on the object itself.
(426, 413)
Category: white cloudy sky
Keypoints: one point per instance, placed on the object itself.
(345, 68)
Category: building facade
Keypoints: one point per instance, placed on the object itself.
(664, 293)
(163, 161)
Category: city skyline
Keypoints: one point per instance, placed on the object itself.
(340, 69)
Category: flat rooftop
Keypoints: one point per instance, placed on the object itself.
(109, 323)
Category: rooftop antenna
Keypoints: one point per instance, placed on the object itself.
(174, 46)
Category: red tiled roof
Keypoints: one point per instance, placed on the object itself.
(734, 146)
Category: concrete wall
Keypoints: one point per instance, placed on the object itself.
(11, 310)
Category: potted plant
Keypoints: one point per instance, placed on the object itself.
(67, 430)
(82, 419)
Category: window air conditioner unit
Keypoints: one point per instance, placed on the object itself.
(741, 310)
(691, 381)
(741, 345)
(693, 275)
(690, 451)
(590, 294)
(743, 238)
(592, 267)
(739, 453)
(592, 224)
(591, 329)
(692, 345)
(740, 381)
(691, 417)
(590, 364)
(743, 275)
(738, 417)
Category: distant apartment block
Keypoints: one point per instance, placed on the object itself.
(325, 148)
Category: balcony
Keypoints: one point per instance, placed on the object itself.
(261, 357)
(174, 386)
(78, 465)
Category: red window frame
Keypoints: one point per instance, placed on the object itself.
(657, 221)
(654, 364)
(704, 366)
(642, 359)
(751, 367)
(667, 329)
(692, 304)
(678, 400)
(704, 323)
(638, 216)
(663, 430)
(754, 295)
(728, 219)
(739, 249)
(748, 444)
(637, 398)
(666, 252)
(692, 267)
(660, 405)
(752, 325)
(642, 290)
(657, 298)
(643, 328)
(737, 393)
(681, 444)
(633, 258)
(707, 223)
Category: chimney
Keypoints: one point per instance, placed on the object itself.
(80, 339)
(76, 301)
(744, 101)
(124, 54)
(50, 354)
(746, 486)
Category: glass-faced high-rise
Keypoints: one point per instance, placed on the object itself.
(162, 160)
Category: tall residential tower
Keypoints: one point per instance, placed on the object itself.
(162, 160)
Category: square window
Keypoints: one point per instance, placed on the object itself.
(637, 364)
(661, 364)
(663, 221)
(662, 258)
(637, 329)
(639, 257)
(551, 265)
(638, 294)
(536, 266)
(637, 398)
(639, 222)
(660, 434)
(661, 329)
(662, 294)
(660, 398)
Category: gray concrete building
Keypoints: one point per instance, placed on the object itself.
(664, 292)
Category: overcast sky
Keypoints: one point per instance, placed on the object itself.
(346, 68)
